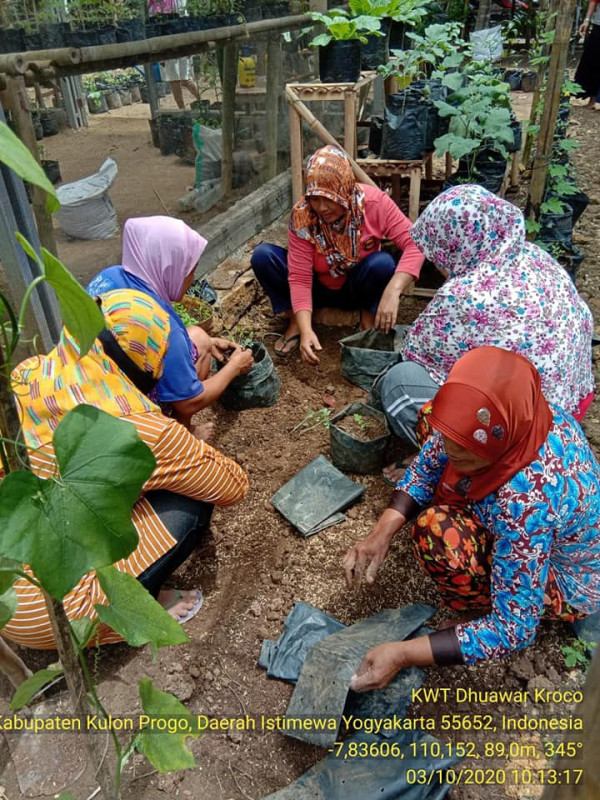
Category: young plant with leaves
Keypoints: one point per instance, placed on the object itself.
(54, 531)
(340, 26)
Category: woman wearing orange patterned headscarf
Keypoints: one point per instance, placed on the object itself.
(174, 510)
(334, 258)
(506, 495)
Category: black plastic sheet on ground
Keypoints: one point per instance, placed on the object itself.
(365, 778)
(324, 683)
(367, 353)
(315, 497)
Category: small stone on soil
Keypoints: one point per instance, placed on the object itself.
(255, 608)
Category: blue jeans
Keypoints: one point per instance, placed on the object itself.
(187, 521)
(363, 288)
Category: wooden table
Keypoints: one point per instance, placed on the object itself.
(353, 95)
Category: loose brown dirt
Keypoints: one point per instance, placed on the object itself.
(253, 568)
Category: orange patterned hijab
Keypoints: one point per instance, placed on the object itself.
(329, 174)
(47, 387)
(491, 404)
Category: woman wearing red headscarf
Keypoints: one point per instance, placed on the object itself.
(334, 258)
(506, 495)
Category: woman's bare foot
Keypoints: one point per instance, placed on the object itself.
(591, 104)
(395, 472)
(205, 432)
(182, 606)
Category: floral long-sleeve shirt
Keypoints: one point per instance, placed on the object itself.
(547, 517)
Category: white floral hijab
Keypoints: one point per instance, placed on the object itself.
(501, 291)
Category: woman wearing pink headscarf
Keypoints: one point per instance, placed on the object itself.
(160, 255)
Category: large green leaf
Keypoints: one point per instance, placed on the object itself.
(15, 155)
(166, 751)
(457, 146)
(32, 685)
(80, 313)
(80, 520)
(9, 572)
(134, 613)
(9, 603)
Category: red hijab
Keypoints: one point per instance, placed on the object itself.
(491, 404)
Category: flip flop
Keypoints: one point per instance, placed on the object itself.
(295, 338)
(193, 610)
(402, 463)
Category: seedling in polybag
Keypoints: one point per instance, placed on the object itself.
(314, 419)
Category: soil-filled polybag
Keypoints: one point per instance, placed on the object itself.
(377, 49)
(577, 202)
(378, 774)
(324, 683)
(405, 126)
(339, 61)
(557, 227)
(367, 353)
(259, 388)
(316, 495)
(513, 78)
(365, 456)
(86, 211)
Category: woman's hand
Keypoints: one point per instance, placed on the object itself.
(378, 667)
(309, 346)
(220, 348)
(387, 310)
(367, 554)
(584, 27)
(242, 361)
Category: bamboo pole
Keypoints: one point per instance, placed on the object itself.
(18, 102)
(230, 65)
(296, 153)
(272, 102)
(306, 114)
(556, 70)
(550, 8)
(175, 45)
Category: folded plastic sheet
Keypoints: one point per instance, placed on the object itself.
(313, 498)
(304, 626)
(366, 778)
(324, 683)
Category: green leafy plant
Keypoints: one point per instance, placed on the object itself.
(363, 423)
(341, 27)
(314, 419)
(578, 653)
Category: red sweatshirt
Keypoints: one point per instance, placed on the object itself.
(383, 220)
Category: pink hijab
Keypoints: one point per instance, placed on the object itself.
(162, 252)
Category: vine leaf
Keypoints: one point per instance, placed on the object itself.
(15, 155)
(9, 603)
(166, 751)
(134, 613)
(32, 686)
(79, 520)
(79, 312)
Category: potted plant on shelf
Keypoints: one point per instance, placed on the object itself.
(130, 21)
(480, 127)
(339, 54)
(376, 50)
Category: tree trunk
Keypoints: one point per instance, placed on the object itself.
(483, 15)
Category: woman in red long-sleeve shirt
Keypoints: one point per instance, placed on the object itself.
(334, 258)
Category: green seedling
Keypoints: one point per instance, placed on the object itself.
(242, 336)
(577, 654)
(314, 419)
(184, 315)
(363, 423)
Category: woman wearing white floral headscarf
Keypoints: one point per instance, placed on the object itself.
(501, 290)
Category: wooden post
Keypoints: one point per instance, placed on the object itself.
(350, 123)
(299, 110)
(550, 8)
(296, 154)
(556, 71)
(586, 746)
(230, 65)
(414, 197)
(272, 102)
(18, 102)
(449, 165)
